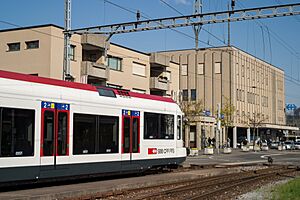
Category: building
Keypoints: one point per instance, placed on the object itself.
(228, 76)
(198, 80)
(38, 50)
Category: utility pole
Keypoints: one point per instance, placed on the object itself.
(232, 7)
(67, 35)
(218, 128)
(197, 28)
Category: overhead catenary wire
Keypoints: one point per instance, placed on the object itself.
(121, 7)
(285, 77)
(124, 55)
(190, 72)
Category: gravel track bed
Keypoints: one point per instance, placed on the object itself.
(246, 180)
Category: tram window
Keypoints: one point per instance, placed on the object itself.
(126, 138)
(48, 138)
(179, 127)
(84, 134)
(16, 132)
(109, 134)
(135, 136)
(158, 126)
(95, 134)
(62, 133)
(106, 92)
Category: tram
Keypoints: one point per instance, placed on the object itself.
(52, 129)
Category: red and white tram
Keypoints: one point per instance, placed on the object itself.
(57, 129)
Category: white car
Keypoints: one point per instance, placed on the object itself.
(274, 145)
(264, 147)
(297, 145)
(289, 145)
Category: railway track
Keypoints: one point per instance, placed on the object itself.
(204, 188)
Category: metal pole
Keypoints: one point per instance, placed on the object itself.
(67, 36)
(197, 28)
(218, 128)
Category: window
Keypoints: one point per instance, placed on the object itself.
(167, 74)
(16, 132)
(84, 134)
(138, 69)
(185, 95)
(48, 138)
(115, 63)
(32, 44)
(95, 134)
(139, 90)
(62, 134)
(72, 52)
(200, 68)
(114, 86)
(106, 92)
(14, 46)
(158, 126)
(184, 70)
(217, 67)
(179, 128)
(193, 94)
(108, 135)
(243, 70)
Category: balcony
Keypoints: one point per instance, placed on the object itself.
(161, 84)
(94, 69)
(94, 42)
(159, 60)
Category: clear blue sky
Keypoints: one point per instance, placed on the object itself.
(246, 35)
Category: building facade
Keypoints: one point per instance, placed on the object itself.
(198, 80)
(253, 88)
(38, 50)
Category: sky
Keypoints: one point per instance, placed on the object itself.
(274, 40)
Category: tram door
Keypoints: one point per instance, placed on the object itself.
(130, 134)
(54, 134)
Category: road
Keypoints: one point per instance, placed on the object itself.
(237, 156)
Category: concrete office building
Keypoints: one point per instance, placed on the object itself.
(208, 76)
(228, 75)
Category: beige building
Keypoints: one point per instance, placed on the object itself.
(254, 88)
(208, 76)
(38, 50)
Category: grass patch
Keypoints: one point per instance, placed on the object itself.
(288, 191)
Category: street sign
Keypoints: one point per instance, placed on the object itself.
(291, 106)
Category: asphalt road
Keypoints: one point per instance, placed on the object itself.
(286, 157)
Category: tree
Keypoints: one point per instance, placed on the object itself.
(255, 121)
(191, 108)
(227, 111)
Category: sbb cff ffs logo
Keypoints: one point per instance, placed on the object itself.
(161, 151)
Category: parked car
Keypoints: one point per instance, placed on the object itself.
(297, 145)
(274, 145)
(264, 147)
(289, 145)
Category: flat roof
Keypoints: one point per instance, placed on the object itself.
(30, 27)
(220, 47)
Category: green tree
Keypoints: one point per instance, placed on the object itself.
(227, 111)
